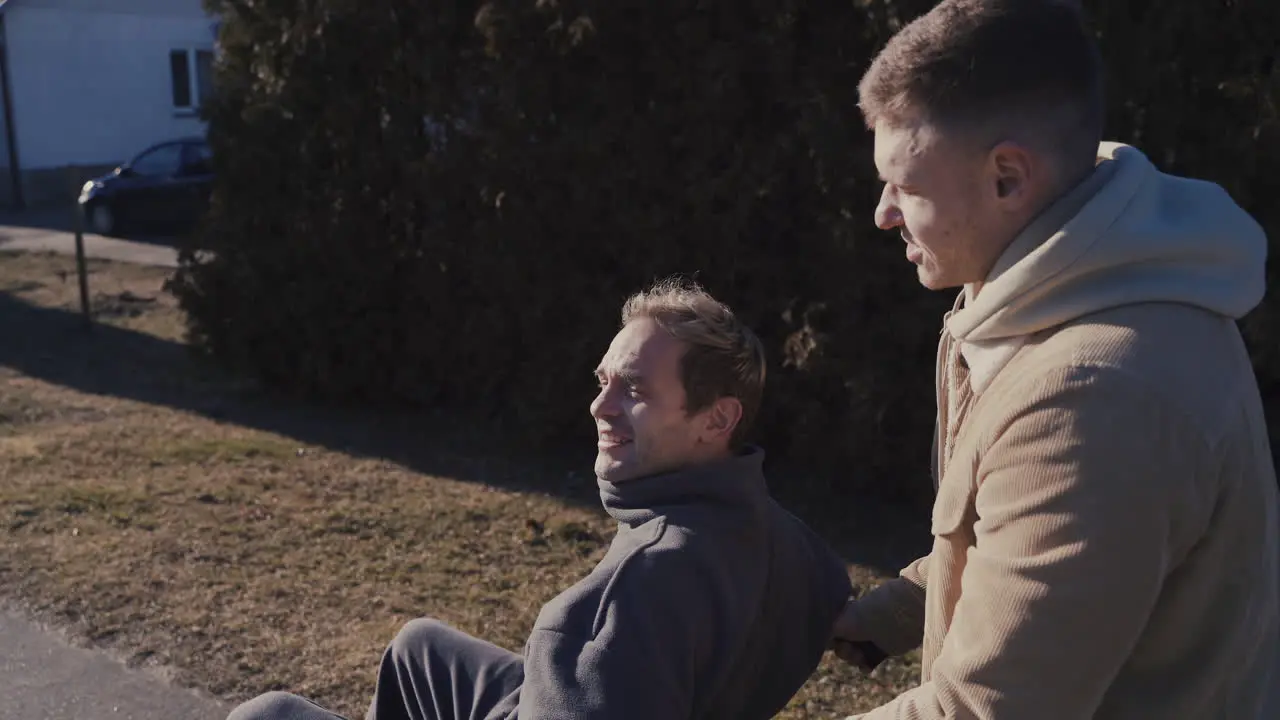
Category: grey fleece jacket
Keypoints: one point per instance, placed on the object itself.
(712, 602)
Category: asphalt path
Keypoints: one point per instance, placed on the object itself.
(43, 677)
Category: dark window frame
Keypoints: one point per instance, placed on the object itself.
(190, 78)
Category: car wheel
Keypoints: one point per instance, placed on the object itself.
(101, 220)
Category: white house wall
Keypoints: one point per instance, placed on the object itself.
(91, 80)
(151, 8)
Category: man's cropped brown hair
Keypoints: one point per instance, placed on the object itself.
(723, 357)
(994, 66)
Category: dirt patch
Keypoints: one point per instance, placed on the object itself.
(179, 519)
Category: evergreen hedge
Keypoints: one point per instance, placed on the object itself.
(446, 205)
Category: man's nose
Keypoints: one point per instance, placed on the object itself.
(605, 405)
(888, 216)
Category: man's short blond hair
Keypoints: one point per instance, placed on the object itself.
(723, 357)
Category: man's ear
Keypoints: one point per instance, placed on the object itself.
(1012, 172)
(722, 419)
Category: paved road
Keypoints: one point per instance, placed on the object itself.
(47, 230)
(44, 678)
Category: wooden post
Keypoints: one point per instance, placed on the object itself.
(77, 224)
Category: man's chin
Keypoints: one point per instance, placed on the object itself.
(613, 468)
(933, 280)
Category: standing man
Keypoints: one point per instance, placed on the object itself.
(1105, 526)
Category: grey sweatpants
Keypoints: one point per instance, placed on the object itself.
(429, 672)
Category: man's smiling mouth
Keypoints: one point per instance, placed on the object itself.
(610, 439)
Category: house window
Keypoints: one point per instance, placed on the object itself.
(191, 78)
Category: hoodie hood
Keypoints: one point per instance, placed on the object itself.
(1127, 234)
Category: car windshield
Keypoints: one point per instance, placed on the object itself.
(199, 159)
(163, 160)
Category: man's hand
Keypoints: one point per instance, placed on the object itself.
(856, 653)
(850, 642)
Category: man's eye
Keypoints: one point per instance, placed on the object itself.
(634, 391)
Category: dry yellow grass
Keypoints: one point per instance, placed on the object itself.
(184, 521)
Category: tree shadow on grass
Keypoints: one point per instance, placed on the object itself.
(54, 345)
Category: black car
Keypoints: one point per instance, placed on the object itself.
(165, 188)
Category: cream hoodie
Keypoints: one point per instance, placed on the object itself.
(1106, 540)
(1150, 237)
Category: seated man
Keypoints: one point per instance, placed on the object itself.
(712, 602)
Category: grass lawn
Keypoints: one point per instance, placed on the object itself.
(187, 522)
